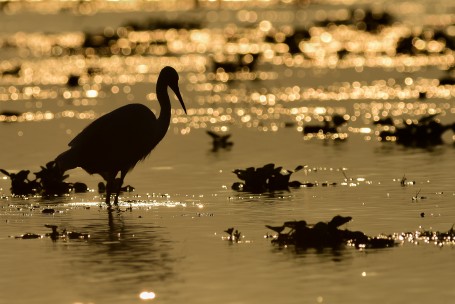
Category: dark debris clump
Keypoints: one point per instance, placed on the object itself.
(266, 178)
(326, 235)
(49, 181)
(424, 133)
(55, 234)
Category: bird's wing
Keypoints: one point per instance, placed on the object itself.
(114, 126)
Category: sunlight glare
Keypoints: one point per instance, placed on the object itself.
(147, 295)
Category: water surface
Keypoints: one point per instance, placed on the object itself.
(171, 241)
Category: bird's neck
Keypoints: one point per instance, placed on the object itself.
(164, 118)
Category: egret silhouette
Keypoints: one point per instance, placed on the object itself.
(117, 141)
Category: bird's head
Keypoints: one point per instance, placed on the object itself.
(172, 78)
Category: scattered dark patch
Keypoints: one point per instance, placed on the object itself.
(426, 132)
(73, 81)
(234, 235)
(418, 197)
(420, 44)
(363, 19)
(48, 182)
(387, 121)
(266, 178)
(330, 129)
(13, 72)
(65, 234)
(220, 141)
(238, 63)
(405, 182)
(48, 211)
(28, 236)
(163, 24)
(326, 235)
(55, 234)
(20, 184)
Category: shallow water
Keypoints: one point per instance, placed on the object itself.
(168, 236)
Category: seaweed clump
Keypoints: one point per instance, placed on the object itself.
(326, 235)
(49, 181)
(266, 178)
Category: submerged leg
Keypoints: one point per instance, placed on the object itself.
(109, 185)
(120, 184)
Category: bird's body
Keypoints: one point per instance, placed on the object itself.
(117, 141)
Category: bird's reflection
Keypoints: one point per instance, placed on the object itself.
(126, 250)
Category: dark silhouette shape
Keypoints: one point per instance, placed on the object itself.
(163, 24)
(447, 80)
(79, 187)
(241, 63)
(294, 40)
(48, 182)
(363, 19)
(96, 148)
(56, 235)
(407, 45)
(266, 178)
(73, 81)
(100, 43)
(234, 236)
(10, 116)
(20, 184)
(48, 211)
(331, 126)
(326, 235)
(116, 186)
(92, 71)
(29, 236)
(388, 121)
(220, 141)
(427, 132)
(14, 72)
(51, 179)
(10, 113)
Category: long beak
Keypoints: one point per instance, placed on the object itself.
(176, 90)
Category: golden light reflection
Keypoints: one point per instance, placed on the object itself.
(147, 295)
(253, 91)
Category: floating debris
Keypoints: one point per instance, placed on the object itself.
(48, 211)
(234, 236)
(20, 184)
(220, 141)
(29, 236)
(56, 235)
(329, 130)
(426, 132)
(266, 178)
(48, 182)
(417, 197)
(326, 235)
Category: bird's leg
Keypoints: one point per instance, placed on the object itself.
(120, 184)
(109, 184)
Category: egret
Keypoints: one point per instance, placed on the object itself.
(117, 141)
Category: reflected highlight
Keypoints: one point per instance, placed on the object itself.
(147, 295)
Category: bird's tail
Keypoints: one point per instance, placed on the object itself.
(66, 161)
